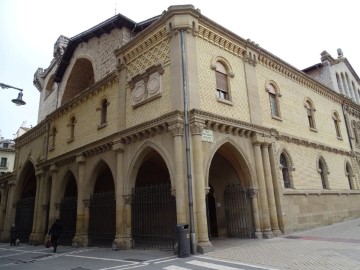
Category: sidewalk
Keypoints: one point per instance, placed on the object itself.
(335, 246)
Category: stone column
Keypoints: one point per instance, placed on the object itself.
(270, 189)
(264, 208)
(254, 203)
(122, 240)
(36, 236)
(10, 212)
(177, 131)
(53, 195)
(2, 207)
(204, 244)
(86, 203)
(81, 236)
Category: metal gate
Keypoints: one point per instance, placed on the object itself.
(24, 218)
(102, 224)
(239, 217)
(153, 213)
(68, 219)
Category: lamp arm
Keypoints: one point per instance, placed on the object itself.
(5, 86)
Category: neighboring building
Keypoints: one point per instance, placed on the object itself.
(7, 156)
(267, 148)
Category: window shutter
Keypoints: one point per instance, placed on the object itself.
(221, 81)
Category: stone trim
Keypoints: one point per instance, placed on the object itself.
(31, 135)
(89, 93)
(315, 145)
(144, 46)
(218, 39)
(318, 192)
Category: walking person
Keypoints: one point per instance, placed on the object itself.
(55, 232)
(13, 235)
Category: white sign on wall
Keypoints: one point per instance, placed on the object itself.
(207, 136)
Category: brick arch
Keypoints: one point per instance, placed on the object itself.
(81, 78)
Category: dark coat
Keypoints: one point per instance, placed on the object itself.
(13, 233)
(56, 229)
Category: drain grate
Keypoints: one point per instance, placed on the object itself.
(134, 260)
(292, 237)
(42, 256)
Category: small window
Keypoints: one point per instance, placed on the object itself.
(355, 132)
(222, 90)
(52, 139)
(349, 175)
(274, 100)
(3, 163)
(285, 171)
(336, 120)
(104, 107)
(323, 173)
(71, 126)
(310, 114)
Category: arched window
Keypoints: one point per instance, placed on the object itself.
(71, 126)
(310, 114)
(336, 119)
(355, 132)
(349, 175)
(52, 138)
(104, 107)
(274, 100)
(323, 173)
(339, 83)
(285, 171)
(222, 89)
(344, 85)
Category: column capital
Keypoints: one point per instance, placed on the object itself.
(40, 173)
(86, 203)
(197, 128)
(253, 192)
(118, 147)
(177, 129)
(53, 168)
(80, 159)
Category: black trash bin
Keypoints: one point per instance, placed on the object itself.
(183, 239)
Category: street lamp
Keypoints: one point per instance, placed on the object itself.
(18, 101)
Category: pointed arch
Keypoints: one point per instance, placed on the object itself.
(286, 166)
(349, 174)
(140, 155)
(323, 171)
(237, 158)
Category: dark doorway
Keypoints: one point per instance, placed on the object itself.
(153, 207)
(25, 206)
(102, 223)
(68, 211)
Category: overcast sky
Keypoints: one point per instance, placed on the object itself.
(295, 31)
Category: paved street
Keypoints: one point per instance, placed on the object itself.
(332, 247)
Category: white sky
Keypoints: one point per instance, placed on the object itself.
(295, 31)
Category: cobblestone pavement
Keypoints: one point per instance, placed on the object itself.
(335, 246)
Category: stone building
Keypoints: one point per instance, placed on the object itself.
(176, 120)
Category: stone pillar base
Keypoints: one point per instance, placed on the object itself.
(204, 247)
(277, 233)
(36, 238)
(122, 243)
(268, 234)
(80, 240)
(258, 235)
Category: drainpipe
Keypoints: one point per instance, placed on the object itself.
(187, 142)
